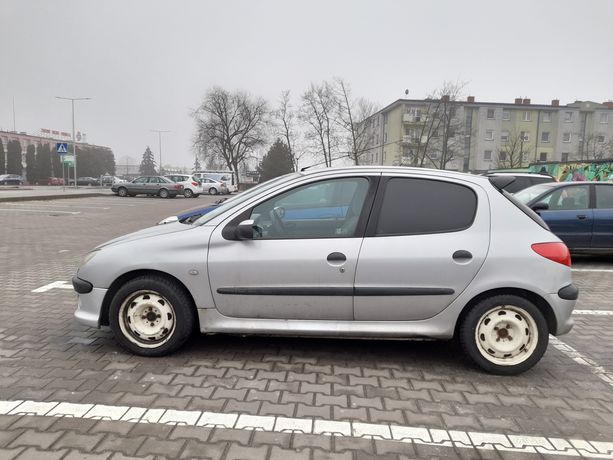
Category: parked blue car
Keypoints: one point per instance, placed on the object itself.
(580, 213)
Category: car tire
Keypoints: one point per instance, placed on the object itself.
(504, 334)
(122, 192)
(151, 316)
(212, 191)
(196, 195)
(187, 193)
(163, 193)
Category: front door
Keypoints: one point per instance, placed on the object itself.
(301, 263)
(425, 242)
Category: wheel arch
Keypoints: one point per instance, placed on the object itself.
(126, 277)
(540, 302)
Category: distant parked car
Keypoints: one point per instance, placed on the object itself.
(214, 187)
(86, 180)
(218, 177)
(523, 180)
(110, 180)
(579, 213)
(53, 181)
(192, 188)
(11, 179)
(148, 185)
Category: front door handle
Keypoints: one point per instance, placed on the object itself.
(581, 216)
(462, 255)
(337, 257)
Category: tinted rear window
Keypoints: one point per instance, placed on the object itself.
(415, 206)
(604, 196)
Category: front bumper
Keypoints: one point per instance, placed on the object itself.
(89, 307)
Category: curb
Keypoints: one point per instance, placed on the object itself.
(51, 197)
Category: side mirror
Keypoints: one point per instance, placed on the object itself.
(540, 206)
(244, 231)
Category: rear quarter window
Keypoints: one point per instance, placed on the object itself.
(420, 206)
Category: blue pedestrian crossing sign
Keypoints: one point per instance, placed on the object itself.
(61, 148)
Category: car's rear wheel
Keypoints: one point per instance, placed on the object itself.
(187, 193)
(212, 191)
(151, 316)
(504, 334)
(196, 195)
(163, 193)
(122, 191)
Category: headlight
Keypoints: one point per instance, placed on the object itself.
(90, 256)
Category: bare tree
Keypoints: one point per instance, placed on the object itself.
(596, 148)
(287, 120)
(230, 125)
(318, 112)
(513, 150)
(351, 115)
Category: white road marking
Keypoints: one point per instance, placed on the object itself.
(594, 312)
(41, 210)
(580, 358)
(56, 206)
(54, 285)
(269, 423)
(596, 270)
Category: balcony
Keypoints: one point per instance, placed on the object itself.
(410, 139)
(410, 118)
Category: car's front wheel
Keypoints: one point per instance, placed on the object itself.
(212, 191)
(122, 191)
(163, 193)
(187, 193)
(504, 334)
(151, 316)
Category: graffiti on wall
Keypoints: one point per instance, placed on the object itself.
(568, 172)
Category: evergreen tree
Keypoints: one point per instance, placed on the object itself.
(197, 166)
(147, 165)
(13, 158)
(276, 162)
(31, 164)
(43, 163)
(2, 168)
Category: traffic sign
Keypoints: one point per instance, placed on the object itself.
(61, 148)
(68, 160)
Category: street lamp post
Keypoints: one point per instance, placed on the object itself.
(160, 131)
(74, 140)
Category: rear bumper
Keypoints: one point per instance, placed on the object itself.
(89, 307)
(563, 310)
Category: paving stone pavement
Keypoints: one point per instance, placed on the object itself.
(46, 357)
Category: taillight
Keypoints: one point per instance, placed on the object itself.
(195, 184)
(556, 252)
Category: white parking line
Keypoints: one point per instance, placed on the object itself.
(408, 434)
(41, 210)
(54, 285)
(57, 206)
(595, 270)
(594, 312)
(580, 358)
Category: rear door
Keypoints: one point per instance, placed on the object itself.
(602, 237)
(569, 215)
(425, 241)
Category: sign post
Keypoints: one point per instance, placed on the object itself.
(62, 150)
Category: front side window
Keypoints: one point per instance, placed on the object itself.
(604, 197)
(568, 198)
(141, 180)
(325, 209)
(420, 206)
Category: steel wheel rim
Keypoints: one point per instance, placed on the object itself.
(123, 192)
(188, 193)
(147, 319)
(212, 191)
(163, 193)
(506, 335)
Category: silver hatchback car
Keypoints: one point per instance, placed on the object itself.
(355, 252)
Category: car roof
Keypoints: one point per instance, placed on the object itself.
(523, 174)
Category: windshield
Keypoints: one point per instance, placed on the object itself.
(526, 195)
(242, 197)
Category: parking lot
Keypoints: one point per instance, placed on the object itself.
(241, 397)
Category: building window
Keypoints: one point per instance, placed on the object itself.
(566, 137)
(524, 136)
(545, 136)
(490, 114)
(564, 156)
(504, 136)
(543, 156)
(527, 116)
(604, 118)
(506, 115)
(568, 117)
(487, 155)
(385, 119)
(600, 138)
(546, 117)
(502, 156)
(489, 135)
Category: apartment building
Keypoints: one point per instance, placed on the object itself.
(476, 136)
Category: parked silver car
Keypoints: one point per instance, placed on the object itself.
(363, 252)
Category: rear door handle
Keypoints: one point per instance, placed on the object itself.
(581, 216)
(337, 257)
(462, 255)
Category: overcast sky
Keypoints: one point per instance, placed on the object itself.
(146, 64)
